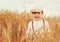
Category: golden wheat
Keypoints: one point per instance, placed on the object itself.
(13, 28)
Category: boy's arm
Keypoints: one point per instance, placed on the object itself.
(28, 28)
(47, 28)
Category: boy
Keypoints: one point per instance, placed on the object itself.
(37, 24)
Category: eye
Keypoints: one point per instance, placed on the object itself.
(38, 12)
(33, 12)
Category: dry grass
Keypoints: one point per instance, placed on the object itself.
(13, 28)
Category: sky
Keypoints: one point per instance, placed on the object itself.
(50, 7)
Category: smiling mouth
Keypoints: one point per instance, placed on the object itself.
(37, 17)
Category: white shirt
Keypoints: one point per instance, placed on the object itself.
(38, 25)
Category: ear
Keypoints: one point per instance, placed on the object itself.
(42, 11)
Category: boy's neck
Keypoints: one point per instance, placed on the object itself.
(37, 19)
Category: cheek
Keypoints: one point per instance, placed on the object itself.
(40, 15)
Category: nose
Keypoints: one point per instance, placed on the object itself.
(36, 14)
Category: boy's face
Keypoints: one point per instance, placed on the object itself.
(37, 15)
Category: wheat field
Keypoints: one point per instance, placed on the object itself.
(13, 26)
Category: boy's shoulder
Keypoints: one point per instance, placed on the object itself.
(30, 22)
(46, 22)
(40, 20)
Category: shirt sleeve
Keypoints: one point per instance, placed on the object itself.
(29, 28)
(47, 27)
(48, 30)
